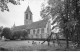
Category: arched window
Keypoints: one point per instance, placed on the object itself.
(38, 31)
(26, 16)
(42, 30)
(34, 31)
(28, 31)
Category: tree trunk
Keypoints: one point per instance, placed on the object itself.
(67, 42)
(67, 5)
(78, 18)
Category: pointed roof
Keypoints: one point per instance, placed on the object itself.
(14, 24)
(28, 10)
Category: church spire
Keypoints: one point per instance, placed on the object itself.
(14, 24)
(28, 10)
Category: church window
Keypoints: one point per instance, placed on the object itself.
(34, 31)
(26, 16)
(28, 31)
(38, 31)
(42, 30)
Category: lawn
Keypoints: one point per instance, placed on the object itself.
(27, 45)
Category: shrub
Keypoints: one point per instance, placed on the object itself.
(25, 34)
(6, 33)
(19, 35)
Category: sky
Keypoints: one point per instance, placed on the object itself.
(16, 13)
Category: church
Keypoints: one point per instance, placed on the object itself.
(38, 29)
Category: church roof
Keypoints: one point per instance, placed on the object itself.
(34, 25)
(28, 10)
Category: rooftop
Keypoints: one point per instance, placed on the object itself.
(34, 25)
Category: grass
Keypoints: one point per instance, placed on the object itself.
(28, 46)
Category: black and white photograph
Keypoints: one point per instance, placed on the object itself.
(39, 25)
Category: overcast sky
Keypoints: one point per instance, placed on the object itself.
(16, 13)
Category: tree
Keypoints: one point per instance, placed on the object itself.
(54, 7)
(4, 4)
(71, 20)
(1, 28)
(16, 34)
(53, 11)
(67, 17)
(6, 33)
(77, 4)
(25, 34)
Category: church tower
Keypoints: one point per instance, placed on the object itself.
(28, 16)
